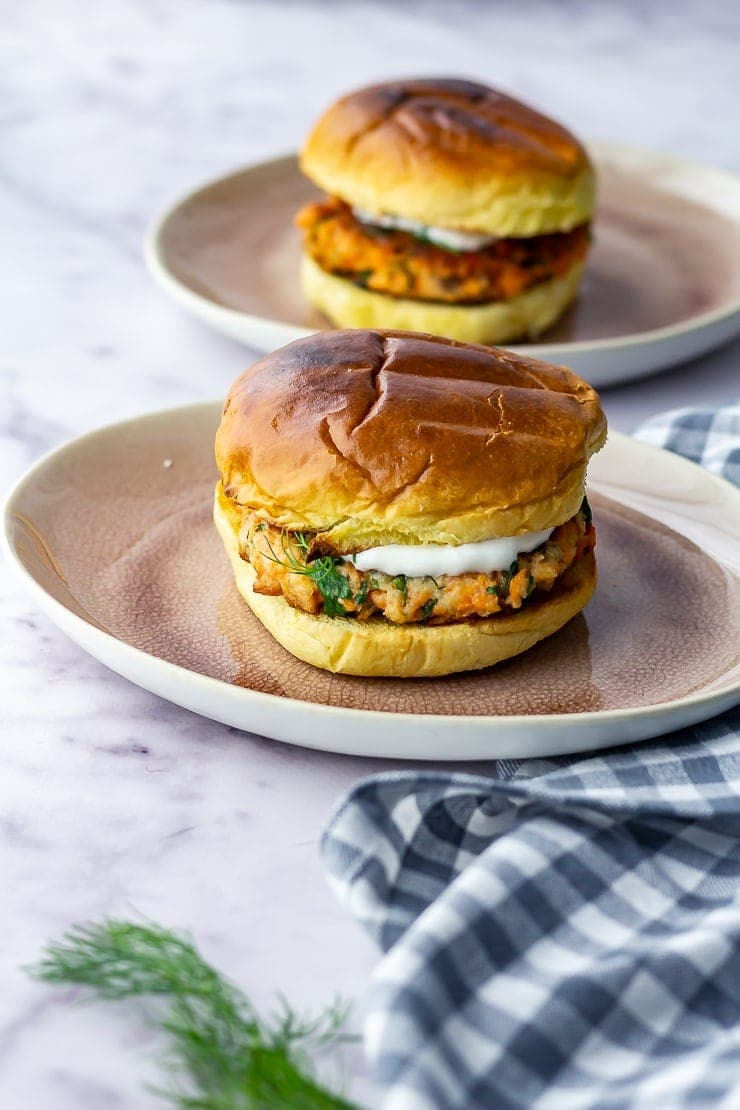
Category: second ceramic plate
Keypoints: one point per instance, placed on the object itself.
(114, 535)
(662, 284)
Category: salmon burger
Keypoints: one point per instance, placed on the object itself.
(400, 504)
(452, 208)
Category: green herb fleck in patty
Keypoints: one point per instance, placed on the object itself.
(400, 582)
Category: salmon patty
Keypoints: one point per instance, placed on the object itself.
(331, 584)
(404, 265)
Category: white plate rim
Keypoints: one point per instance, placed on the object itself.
(601, 150)
(687, 710)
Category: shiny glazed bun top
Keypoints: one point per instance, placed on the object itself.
(377, 437)
(451, 153)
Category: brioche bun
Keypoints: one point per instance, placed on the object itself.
(348, 305)
(378, 648)
(380, 437)
(451, 154)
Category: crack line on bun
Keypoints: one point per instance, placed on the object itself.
(376, 379)
(327, 438)
(398, 97)
(411, 482)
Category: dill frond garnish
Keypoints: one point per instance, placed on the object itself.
(222, 1055)
(333, 586)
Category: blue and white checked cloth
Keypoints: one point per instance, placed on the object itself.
(565, 934)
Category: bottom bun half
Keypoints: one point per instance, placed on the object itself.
(380, 648)
(350, 306)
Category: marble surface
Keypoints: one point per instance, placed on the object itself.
(111, 801)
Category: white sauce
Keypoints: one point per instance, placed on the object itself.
(416, 561)
(443, 237)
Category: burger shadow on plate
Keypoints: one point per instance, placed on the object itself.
(555, 676)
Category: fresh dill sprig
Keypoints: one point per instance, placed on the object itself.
(222, 1056)
(333, 586)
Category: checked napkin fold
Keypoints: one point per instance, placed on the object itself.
(565, 933)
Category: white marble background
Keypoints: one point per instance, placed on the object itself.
(111, 801)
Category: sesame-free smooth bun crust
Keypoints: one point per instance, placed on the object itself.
(376, 437)
(451, 153)
(350, 306)
(381, 649)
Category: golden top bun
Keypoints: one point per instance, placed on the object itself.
(380, 648)
(377, 437)
(349, 305)
(451, 154)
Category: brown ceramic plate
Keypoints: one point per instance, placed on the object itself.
(113, 533)
(662, 284)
